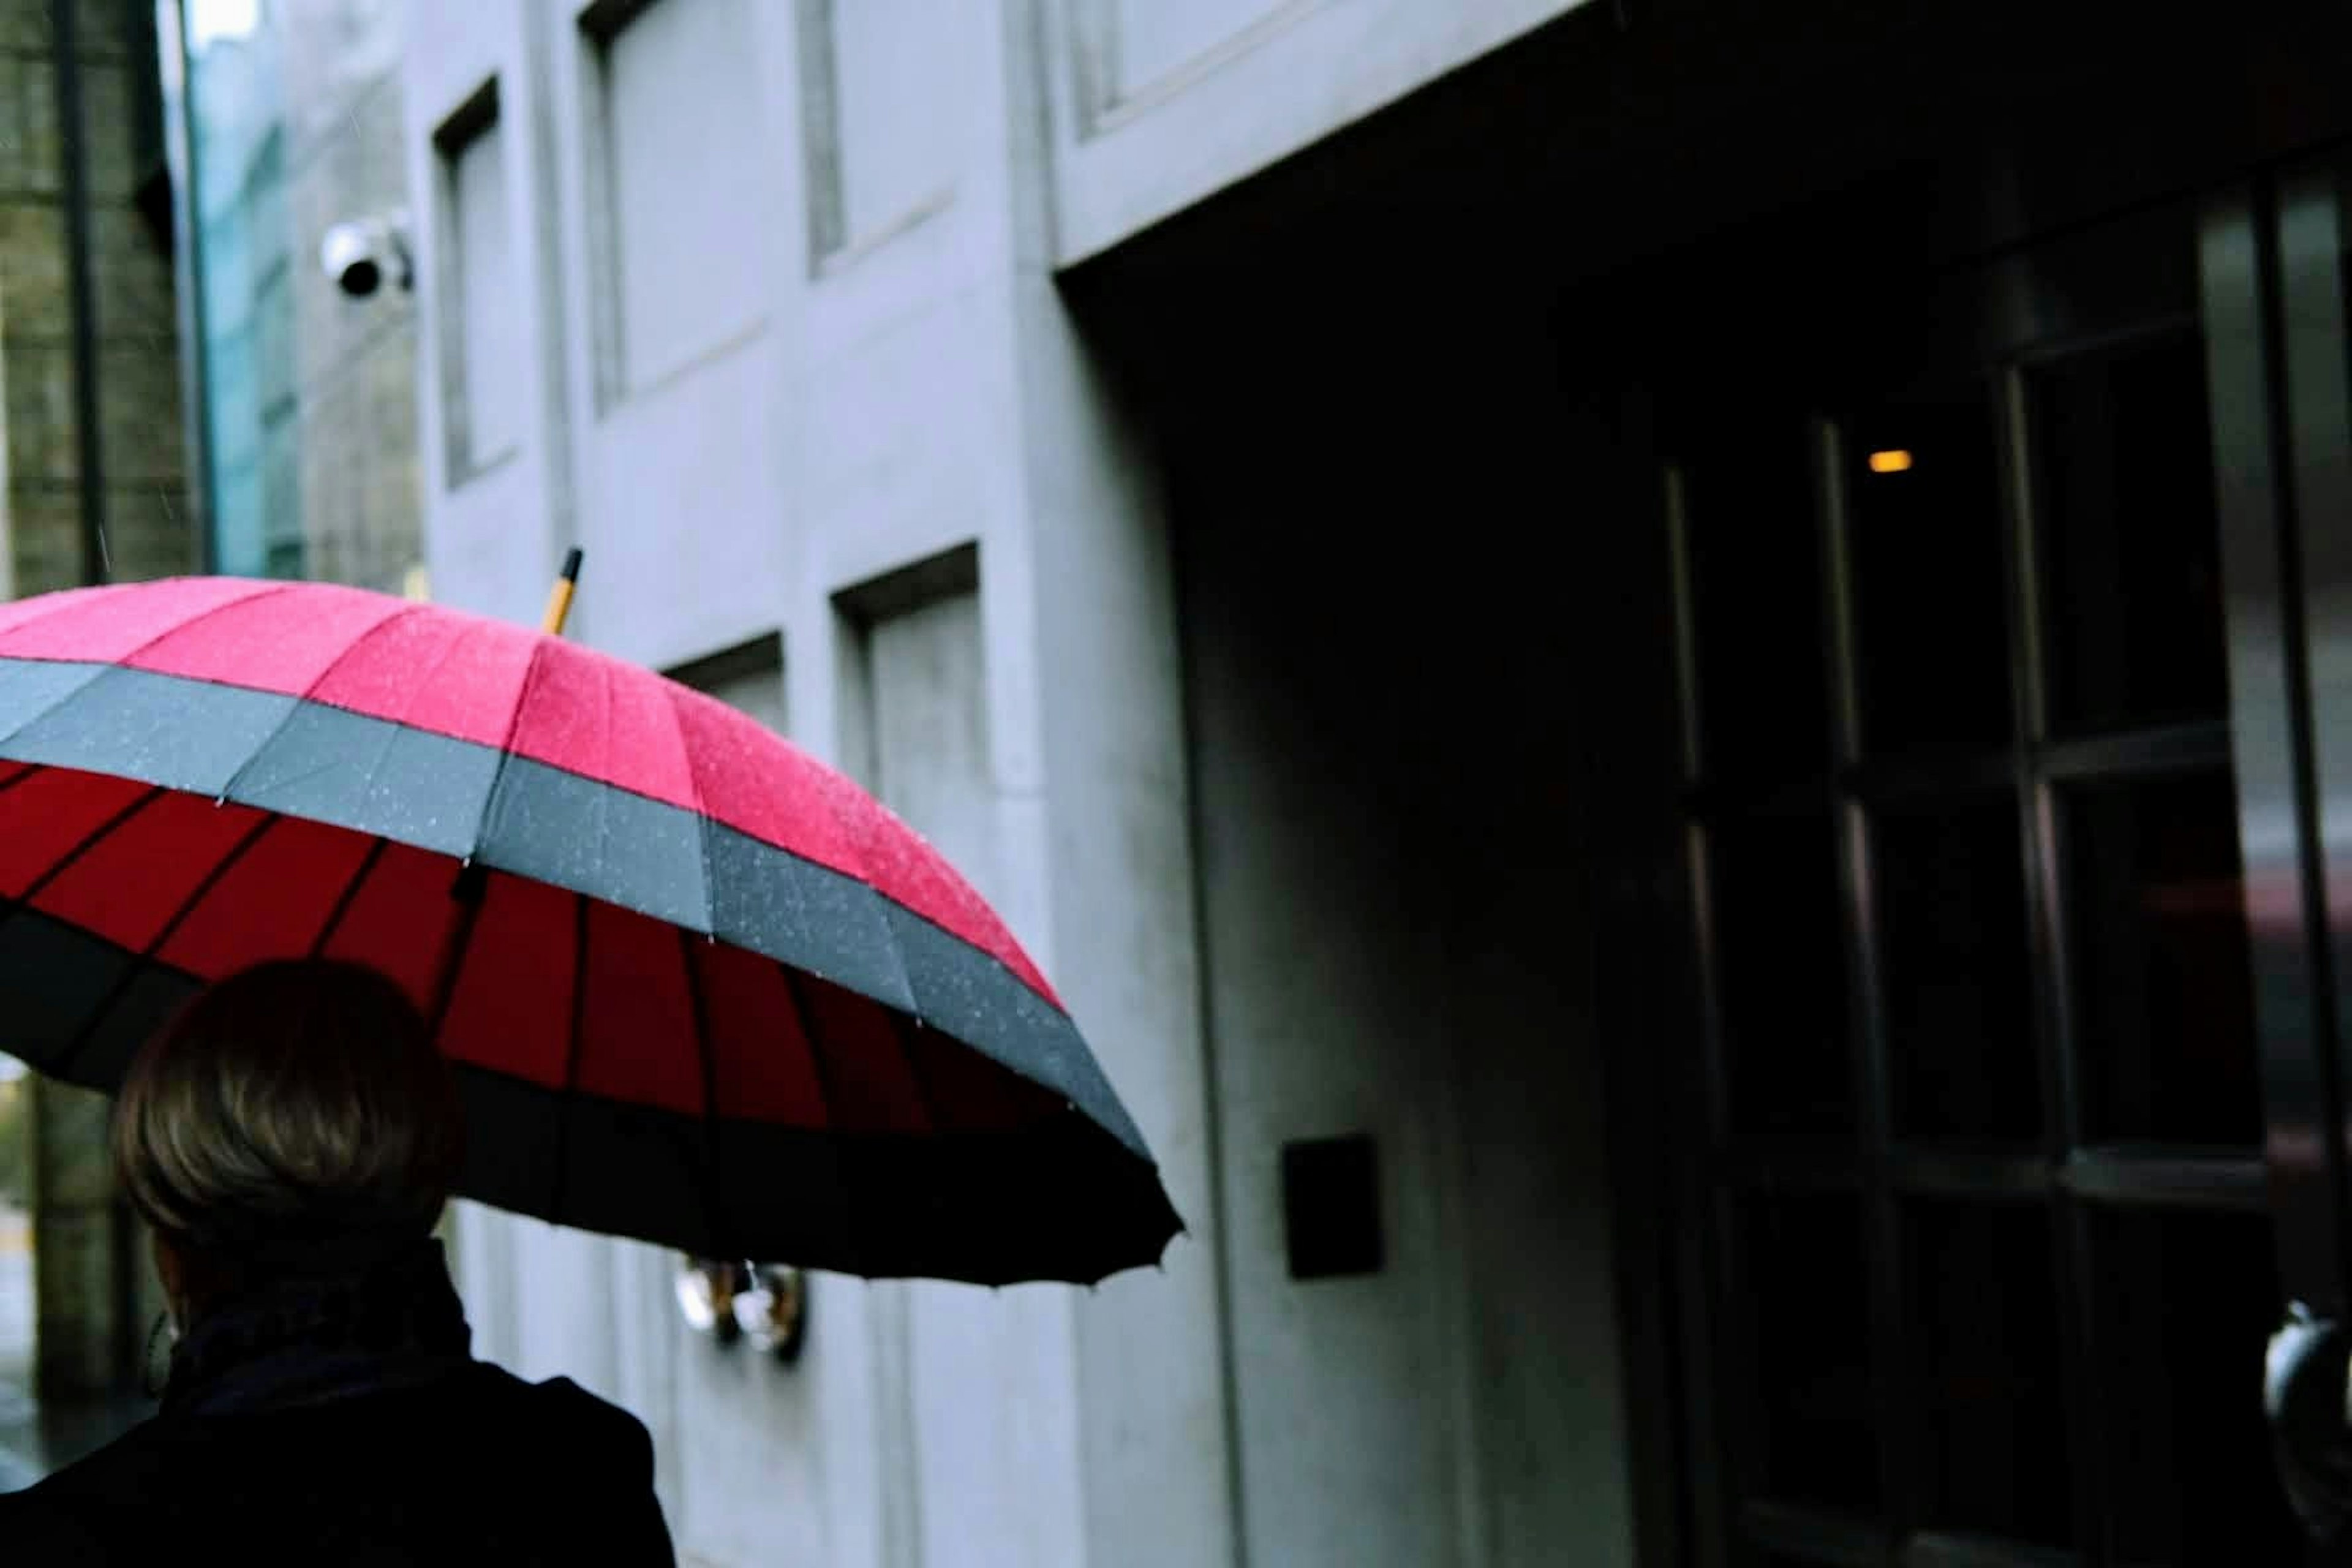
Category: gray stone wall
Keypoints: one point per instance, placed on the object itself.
(141, 444)
(88, 1285)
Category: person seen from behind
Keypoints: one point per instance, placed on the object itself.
(291, 1140)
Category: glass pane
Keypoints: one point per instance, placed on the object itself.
(2164, 993)
(1780, 963)
(1755, 568)
(1803, 1261)
(1955, 974)
(1930, 588)
(238, 123)
(1989, 1377)
(2123, 456)
(2183, 1305)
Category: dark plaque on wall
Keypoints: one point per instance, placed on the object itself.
(1332, 1206)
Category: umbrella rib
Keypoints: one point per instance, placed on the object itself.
(578, 1036)
(120, 661)
(902, 1031)
(71, 858)
(674, 695)
(308, 694)
(806, 1017)
(468, 892)
(506, 748)
(212, 878)
(349, 896)
(68, 599)
(79, 599)
(699, 1005)
(267, 591)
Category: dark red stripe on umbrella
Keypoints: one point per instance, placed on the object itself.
(826, 1094)
(662, 946)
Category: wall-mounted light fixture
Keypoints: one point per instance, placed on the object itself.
(773, 1314)
(730, 1300)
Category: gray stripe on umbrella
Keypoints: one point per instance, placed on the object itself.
(28, 690)
(817, 920)
(958, 991)
(136, 725)
(374, 777)
(572, 832)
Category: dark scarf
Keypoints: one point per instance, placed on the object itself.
(325, 1324)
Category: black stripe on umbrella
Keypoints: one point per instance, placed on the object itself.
(453, 797)
(900, 1152)
(981, 1208)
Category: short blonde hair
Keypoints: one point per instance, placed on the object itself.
(297, 1102)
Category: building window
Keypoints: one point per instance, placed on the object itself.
(748, 678)
(677, 242)
(482, 359)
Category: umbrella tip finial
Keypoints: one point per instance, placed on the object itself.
(559, 601)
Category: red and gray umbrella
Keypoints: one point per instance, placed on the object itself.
(699, 988)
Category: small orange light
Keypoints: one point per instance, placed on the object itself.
(1890, 462)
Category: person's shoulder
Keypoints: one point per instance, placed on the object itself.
(76, 1517)
(572, 1444)
(573, 1419)
(129, 1468)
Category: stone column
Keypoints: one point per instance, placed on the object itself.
(81, 1250)
(91, 1280)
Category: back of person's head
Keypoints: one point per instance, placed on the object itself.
(297, 1103)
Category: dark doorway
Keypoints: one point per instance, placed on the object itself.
(1996, 674)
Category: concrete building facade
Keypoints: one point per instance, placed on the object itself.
(1555, 595)
(757, 304)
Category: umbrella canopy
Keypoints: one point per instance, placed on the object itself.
(698, 989)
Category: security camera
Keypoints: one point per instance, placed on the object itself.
(358, 253)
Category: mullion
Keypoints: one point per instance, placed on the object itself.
(1873, 1078)
(2197, 746)
(2307, 328)
(1716, 1251)
(2074, 1273)
(2126, 1177)
(1942, 1169)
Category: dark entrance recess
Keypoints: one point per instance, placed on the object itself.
(1953, 446)
(2000, 684)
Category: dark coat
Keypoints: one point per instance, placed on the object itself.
(325, 1424)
